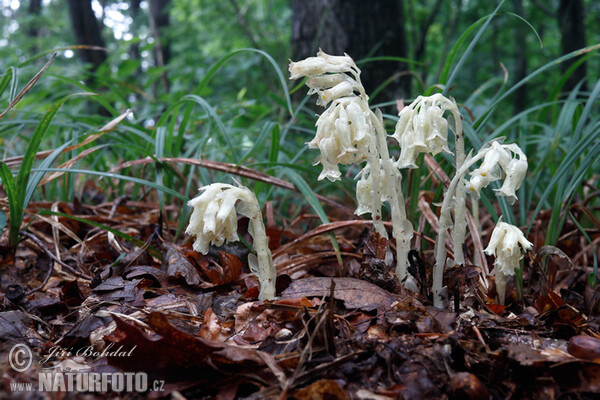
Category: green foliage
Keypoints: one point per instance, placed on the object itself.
(20, 190)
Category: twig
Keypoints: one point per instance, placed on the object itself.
(118, 201)
(46, 279)
(43, 246)
(28, 87)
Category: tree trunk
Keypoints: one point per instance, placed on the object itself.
(35, 8)
(361, 29)
(159, 21)
(572, 28)
(87, 31)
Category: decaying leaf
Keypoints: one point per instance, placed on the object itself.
(353, 292)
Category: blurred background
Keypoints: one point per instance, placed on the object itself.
(163, 48)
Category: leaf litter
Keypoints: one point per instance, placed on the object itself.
(350, 333)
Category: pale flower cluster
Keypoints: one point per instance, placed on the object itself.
(365, 191)
(342, 136)
(214, 221)
(506, 244)
(214, 218)
(343, 129)
(500, 162)
(422, 128)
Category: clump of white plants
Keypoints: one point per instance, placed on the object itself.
(500, 161)
(422, 128)
(214, 221)
(349, 132)
(506, 244)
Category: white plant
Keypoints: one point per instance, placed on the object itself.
(348, 132)
(499, 161)
(422, 128)
(214, 221)
(506, 244)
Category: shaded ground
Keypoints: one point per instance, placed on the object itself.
(194, 322)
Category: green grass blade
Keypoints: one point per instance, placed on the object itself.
(6, 79)
(448, 83)
(144, 182)
(480, 122)
(309, 195)
(274, 149)
(213, 70)
(577, 149)
(390, 58)
(32, 148)
(15, 208)
(36, 177)
(456, 47)
(258, 144)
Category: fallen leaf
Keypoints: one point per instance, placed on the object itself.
(178, 267)
(178, 354)
(353, 292)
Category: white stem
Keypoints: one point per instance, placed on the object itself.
(402, 229)
(475, 212)
(374, 166)
(266, 273)
(459, 229)
(445, 222)
(376, 189)
(501, 281)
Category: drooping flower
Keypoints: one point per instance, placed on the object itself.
(348, 132)
(214, 221)
(321, 64)
(341, 137)
(506, 244)
(422, 128)
(500, 162)
(515, 174)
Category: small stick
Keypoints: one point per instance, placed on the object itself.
(46, 279)
(43, 246)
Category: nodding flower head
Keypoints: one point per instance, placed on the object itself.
(344, 129)
(342, 136)
(515, 174)
(500, 162)
(214, 218)
(506, 244)
(321, 64)
(422, 128)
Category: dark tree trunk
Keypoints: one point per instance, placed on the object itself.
(35, 8)
(159, 15)
(423, 30)
(572, 28)
(359, 28)
(87, 31)
(159, 21)
(520, 59)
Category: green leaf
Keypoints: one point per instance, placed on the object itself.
(117, 176)
(309, 195)
(15, 208)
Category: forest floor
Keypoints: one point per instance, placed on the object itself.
(91, 299)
